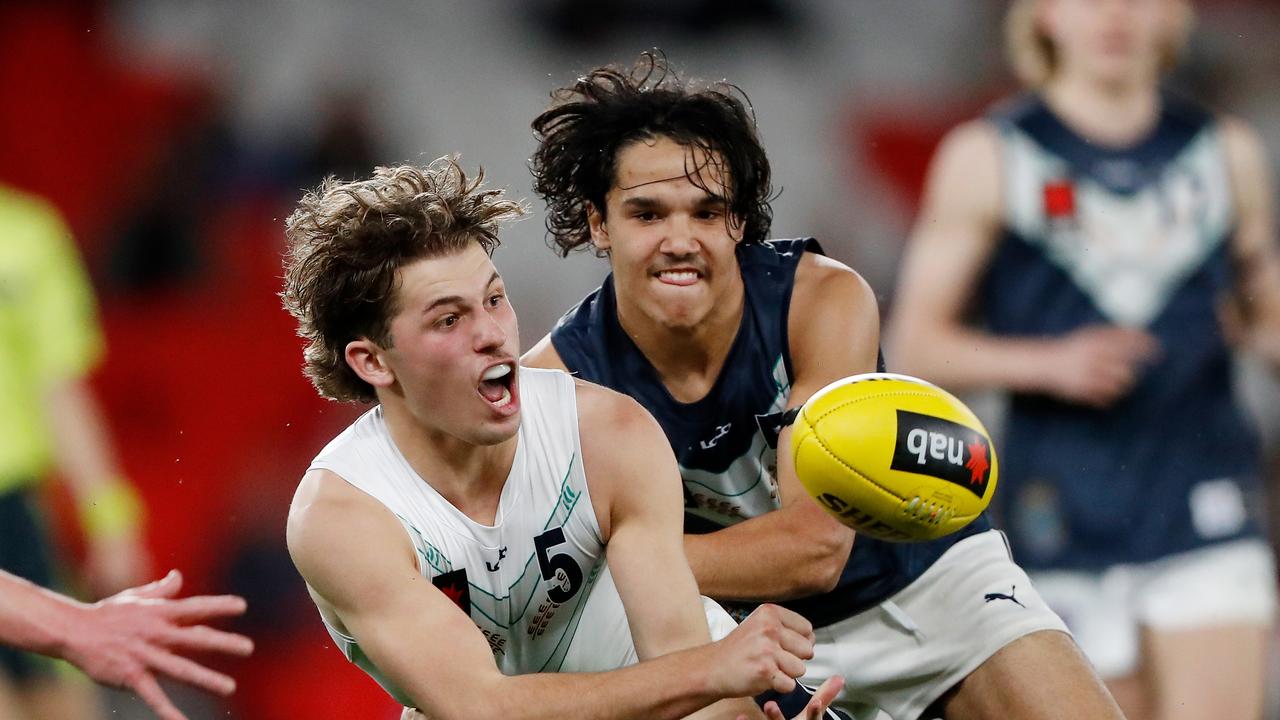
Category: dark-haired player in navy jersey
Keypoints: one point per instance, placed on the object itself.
(1100, 222)
(718, 331)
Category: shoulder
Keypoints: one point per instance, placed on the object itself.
(608, 417)
(1246, 154)
(543, 354)
(325, 514)
(829, 287)
(975, 143)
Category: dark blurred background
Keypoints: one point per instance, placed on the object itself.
(176, 136)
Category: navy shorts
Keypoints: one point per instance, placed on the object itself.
(25, 552)
(793, 702)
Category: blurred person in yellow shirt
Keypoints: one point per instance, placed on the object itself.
(50, 421)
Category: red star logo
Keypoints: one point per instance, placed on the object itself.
(977, 464)
(453, 592)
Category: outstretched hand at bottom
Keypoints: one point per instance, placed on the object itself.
(130, 639)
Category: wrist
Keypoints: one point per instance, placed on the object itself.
(110, 510)
(60, 627)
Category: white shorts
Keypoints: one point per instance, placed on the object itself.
(603, 641)
(1232, 583)
(905, 653)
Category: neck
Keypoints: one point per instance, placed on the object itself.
(687, 359)
(469, 476)
(1110, 113)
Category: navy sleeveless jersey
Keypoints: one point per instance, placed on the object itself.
(1135, 237)
(726, 442)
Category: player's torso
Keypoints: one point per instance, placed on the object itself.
(726, 443)
(1135, 237)
(523, 580)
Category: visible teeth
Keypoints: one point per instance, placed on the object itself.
(496, 372)
(681, 275)
(506, 398)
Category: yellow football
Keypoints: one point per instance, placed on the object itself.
(894, 457)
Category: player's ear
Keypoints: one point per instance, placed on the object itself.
(367, 359)
(599, 233)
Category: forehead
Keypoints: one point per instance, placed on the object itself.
(461, 273)
(656, 165)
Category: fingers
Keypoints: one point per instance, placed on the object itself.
(202, 607)
(823, 697)
(789, 619)
(206, 639)
(149, 690)
(773, 712)
(190, 672)
(801, 646)
(166, 587)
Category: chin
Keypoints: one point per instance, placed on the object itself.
(496, 433)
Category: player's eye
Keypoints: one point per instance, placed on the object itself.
(447, 321)
(495, 300)
(646, 216)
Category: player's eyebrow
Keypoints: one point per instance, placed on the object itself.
(457, 299)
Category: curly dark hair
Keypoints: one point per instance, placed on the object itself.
(347, 240)
(588, 122)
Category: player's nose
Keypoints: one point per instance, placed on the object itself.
(680, 237)
(489, 333)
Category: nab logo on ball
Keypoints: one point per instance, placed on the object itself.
(943, 449)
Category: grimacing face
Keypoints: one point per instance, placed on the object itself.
(455, 349)
(1115, 41)
(671, 243)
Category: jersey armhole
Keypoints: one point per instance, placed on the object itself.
(809, 245)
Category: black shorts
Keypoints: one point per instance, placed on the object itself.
(25, 552)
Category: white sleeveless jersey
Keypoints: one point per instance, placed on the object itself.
(524, 581)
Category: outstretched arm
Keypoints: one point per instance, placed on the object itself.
(126, 640)
(432, 651)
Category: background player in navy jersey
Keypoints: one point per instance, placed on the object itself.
(1099, 223)
(717, 332)
(402, 524)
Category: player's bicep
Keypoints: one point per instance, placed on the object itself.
(1257, 257)
(953, 237)
(834, 332)
(408, 628)
(630, 466)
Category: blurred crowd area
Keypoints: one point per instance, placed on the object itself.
(176, 136)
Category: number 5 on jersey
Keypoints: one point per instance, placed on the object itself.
(559, 566)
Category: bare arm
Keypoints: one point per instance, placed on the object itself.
(798, 550)
(109, 506)
(433, 651)
(949, 250)
(633, 473)
(126, 640)
(1256, 256)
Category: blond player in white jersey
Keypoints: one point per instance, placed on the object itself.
(451, 536)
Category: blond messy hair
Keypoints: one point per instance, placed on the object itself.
(1034, 57)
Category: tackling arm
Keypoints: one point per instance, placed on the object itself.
(798, 550)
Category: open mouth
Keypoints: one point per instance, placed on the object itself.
(679, 276)
(495, 384)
